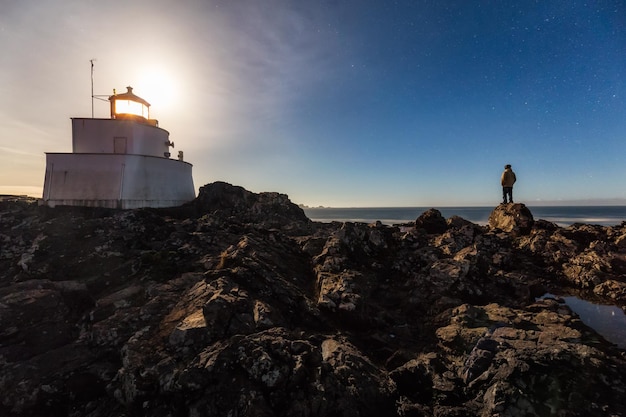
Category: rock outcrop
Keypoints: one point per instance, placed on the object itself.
(513, 218)
(237, 304)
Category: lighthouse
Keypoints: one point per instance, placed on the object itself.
(120, 162)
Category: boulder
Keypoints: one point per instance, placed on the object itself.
(512, 218)
(431, 221)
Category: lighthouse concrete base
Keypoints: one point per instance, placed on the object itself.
(116, 181)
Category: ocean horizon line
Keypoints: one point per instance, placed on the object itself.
(304, 206)
(604, 215)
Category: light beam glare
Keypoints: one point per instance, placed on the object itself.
(159, 88)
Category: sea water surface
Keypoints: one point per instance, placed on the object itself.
(561, 215)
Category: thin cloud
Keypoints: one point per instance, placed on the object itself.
(17, 151)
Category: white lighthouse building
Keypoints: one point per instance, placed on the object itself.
(121, 162)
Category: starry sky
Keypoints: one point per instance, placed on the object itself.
(335, 103)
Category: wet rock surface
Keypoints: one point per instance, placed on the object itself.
(237, 304)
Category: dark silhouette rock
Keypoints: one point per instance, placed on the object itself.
(236, 304)
(226, 202)
(431, 221)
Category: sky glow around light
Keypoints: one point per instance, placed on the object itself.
(335, 103)
(160, 86)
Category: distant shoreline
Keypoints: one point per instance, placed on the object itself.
(11, 197)
(621, 203)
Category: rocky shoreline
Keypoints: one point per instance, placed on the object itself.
(238, 305)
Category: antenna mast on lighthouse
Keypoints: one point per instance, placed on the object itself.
(95, 96)
(92, 97)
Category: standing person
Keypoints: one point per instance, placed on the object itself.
(507, 180)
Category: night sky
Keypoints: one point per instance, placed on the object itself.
(335, 103)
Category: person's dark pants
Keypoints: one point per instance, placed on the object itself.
(507, 191)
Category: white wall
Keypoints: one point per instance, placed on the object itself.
(115, 180)
(98, 136)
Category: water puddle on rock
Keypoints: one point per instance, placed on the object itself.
(608, 320)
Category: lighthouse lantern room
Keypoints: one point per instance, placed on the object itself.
(129, 106)
(120, 162)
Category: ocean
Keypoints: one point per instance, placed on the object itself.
(561, 215)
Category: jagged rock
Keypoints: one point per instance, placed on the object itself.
(37, 316)
(509, 349)
(513, 218)
(277, 372)
(236, 304)
(221, 200)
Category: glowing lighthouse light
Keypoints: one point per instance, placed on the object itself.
(128, 105)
